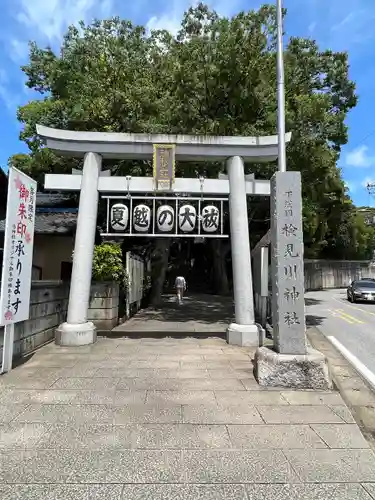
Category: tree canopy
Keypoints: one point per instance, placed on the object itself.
(216, 76)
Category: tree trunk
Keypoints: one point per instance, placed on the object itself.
(220, 278)
(159, 266)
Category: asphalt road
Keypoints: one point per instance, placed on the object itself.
(352, 324)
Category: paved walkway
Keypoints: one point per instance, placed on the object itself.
(167, 419)
(204, 314)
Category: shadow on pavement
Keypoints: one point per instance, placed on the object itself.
(314, 320)
(144, 334)
(201, 308)
(311, 302)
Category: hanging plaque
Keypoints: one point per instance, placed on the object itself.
(164, 166)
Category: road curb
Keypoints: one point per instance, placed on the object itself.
(358, 366)
(356, 393)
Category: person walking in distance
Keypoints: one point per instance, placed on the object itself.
(180, 285)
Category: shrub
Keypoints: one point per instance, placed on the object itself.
(107, 264)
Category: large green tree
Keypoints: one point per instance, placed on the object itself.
(216, 76)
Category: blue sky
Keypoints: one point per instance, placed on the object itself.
(336, 24)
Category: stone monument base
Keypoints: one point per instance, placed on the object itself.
(243, 335)
(309, 371)
(68, 334)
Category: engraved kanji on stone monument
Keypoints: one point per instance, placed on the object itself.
(288, 306)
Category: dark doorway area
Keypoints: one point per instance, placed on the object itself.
(66, 271)
(197, 261)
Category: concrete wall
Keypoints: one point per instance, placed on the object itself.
(48, 308)
(324, 274)
(104, 303)
(49, 252)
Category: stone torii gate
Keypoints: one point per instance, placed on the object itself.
(94, 146)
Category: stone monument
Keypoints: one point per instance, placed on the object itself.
(291, 363)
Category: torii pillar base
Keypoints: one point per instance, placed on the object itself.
(68, 334)
(243, 335)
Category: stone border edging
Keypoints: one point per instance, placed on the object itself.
(358, 396)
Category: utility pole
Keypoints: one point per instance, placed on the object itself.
(280, 89)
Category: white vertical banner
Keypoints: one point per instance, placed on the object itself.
(17, 257)
(18, 248)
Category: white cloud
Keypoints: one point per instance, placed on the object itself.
(170, 19)
(45, 21)
(349, 18)
(360, 158)
(48, 20)
(342, 25)
(19, 50)
(356, 27)
(164, 22)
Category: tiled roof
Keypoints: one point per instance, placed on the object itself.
(53, 199)
(52, 223)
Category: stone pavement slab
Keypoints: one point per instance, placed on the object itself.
(343, 412)
(370, 488)
(233, 466)
(275, 436)
(61, 492)
(172, 419)
(147, 413)
(185, 492)
(314, 466)
(209, 415)
(128, 466)
(306, 492)
(341, 436)
(80, 437)
(311, 397)
(15, 436)
(181, 397)
(10, 412)
(57, 413)
(298, 414)
(81, 383)
(254, 397)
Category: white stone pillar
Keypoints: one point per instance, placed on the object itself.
(77, 330)
(244, 331)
